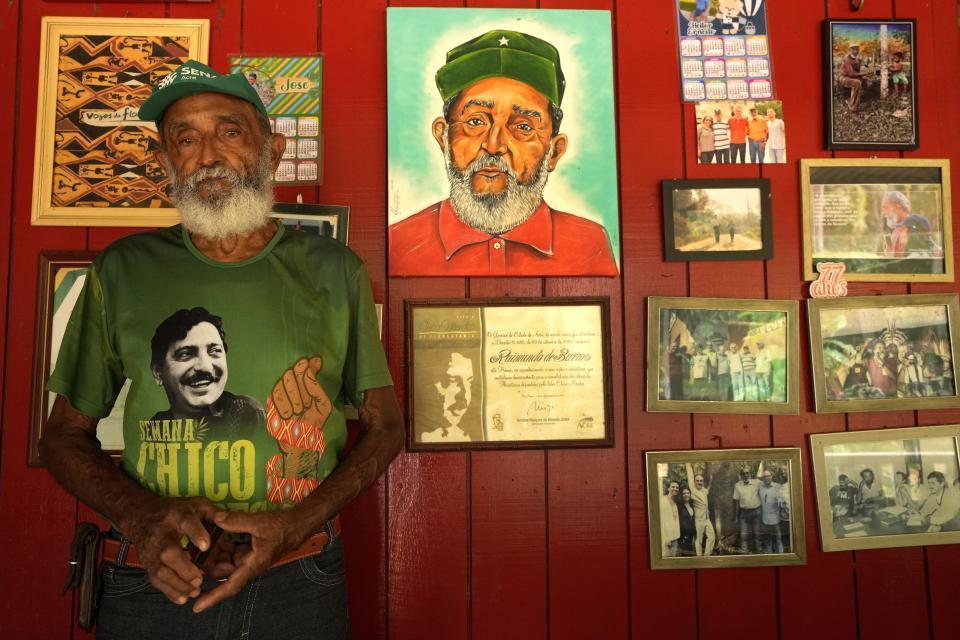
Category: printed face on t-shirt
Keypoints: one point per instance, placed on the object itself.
(194, 370)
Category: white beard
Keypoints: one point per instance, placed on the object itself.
(245, 207)
(494, 213)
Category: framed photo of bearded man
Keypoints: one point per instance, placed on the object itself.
(94, 161)
(501, 143)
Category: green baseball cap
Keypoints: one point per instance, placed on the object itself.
(508, 54)
(195, 77)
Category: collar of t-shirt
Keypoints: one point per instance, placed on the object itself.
(535, 232)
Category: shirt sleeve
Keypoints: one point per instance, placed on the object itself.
(366, 364)
(88, 372)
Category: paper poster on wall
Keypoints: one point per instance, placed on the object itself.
(501, 143)
(291, 88)
(724, 50)
(738, 131)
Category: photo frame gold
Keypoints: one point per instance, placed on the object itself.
(724, 537)
(93, 161)
(690, 339)
(851, 374)
(901, 510)
(843, 202)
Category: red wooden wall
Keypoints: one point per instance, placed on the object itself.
(526, 544)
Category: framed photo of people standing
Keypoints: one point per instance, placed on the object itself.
(884, 353)
(725, 508)
(870, 84)
(888, 487)
(508, 373)
(721, 355)
(884, 219)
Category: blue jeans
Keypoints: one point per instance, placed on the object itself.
(306, 598)
(756, 150)
(750, 530)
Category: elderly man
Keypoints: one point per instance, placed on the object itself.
(909, 232)
(447, 401)
(500, 137)
(770, 502)
(746, 510)
(852, 78)
(941, 509)
(304, 338)
(757, 133)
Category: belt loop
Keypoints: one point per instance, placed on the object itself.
(122, 554)
(331, 534)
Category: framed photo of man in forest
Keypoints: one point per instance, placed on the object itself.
(720, 355)
(870, 84)
(717, 219)
(885, 219)
(725, 508)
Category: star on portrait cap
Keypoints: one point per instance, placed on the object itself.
(508, 54)
(195, 77)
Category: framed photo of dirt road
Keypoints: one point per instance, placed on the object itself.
(722, 355)
(885, 219)
(870, 84)
(717, 220)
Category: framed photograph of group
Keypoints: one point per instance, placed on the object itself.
(717, 219)
(870, 84)
(720, 355)
(888, 487)
(60, 280)
(884, 353)
(885, 219)
(508, 373)
(94, 163)
(725, 508)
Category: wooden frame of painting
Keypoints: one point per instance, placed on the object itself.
(884, 353)
(508, 373)
(723, 355)
(93, 161)
(59, 281)
(885, 219)
(749, 539)
(717, 219)
(887, 487)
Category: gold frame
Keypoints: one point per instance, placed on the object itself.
(43, 213)
(829, 541)
(791, 406)
(809, 270)
(798, 554)
(825, 405)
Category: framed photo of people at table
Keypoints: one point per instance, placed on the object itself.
(725, 508)
(884, 353)
(887, 487)
(722, 355)
(508, 373)
(884, 219)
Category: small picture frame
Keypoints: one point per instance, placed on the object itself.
(722, 508)
(94, 162)
(717, 220)
(885, 219)
(887, 487)
(61, 277)
(722, 355)
(884, 353)
(327, 220)
(870, 84)
(508, 373)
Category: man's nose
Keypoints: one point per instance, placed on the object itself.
(495, 142)
(210, 154)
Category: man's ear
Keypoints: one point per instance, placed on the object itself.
(155, 370)
(279, 144)
(558, 148)
(439, 131)
(161, 157)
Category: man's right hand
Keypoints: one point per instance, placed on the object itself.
(157, 528)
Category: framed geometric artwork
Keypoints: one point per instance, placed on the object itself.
(94, 162)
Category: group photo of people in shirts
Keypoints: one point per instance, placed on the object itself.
(741, 131)
(890, 487)
(725, 508)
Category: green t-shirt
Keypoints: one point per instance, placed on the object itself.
(222, 359)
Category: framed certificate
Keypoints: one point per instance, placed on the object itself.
(513, 373)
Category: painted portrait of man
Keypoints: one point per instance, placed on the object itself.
(474, 159)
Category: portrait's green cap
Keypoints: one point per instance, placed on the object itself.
(507, 54)
(194, 77)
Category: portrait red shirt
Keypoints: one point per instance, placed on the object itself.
(738, 130)
(435, 242)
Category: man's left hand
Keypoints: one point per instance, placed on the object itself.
(272, 534)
